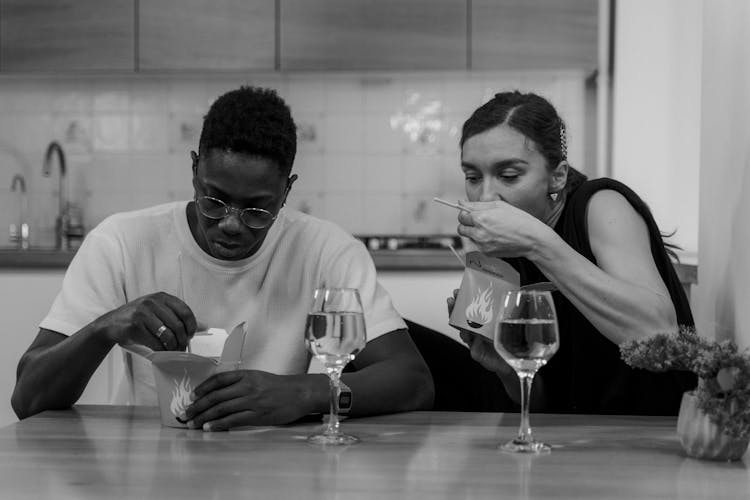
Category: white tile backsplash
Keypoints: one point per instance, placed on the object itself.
(149, 132)
(127, 141)
(422, 174)
(344, 133)
(311, 171)
(380, 136)
(382, 173)
(111, 132)
(346, 209)
(383, 214)
(344, 172)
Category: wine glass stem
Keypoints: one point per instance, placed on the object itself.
(334, 376)
(524, 431)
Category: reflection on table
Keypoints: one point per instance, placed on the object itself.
(124, 452)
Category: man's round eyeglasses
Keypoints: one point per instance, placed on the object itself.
(215, 209)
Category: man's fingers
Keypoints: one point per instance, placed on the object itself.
(202, 406)
(214, 411)
(174, 337)
(246, 417)
(217, 381)
(150, 334)
(183, 312)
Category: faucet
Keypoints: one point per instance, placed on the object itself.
(20, 234)
(61, 222)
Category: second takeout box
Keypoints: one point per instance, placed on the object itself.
(177, 374)
(483, 286)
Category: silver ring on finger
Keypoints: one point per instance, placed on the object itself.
(160, 331)
(160, 335)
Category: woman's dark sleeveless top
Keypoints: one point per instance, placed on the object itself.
(586, 375)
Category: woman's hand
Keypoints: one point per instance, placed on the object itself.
(483, 352)
(499, 228)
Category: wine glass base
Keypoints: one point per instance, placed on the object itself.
(332, 439)
(518, 446)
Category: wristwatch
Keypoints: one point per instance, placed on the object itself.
(345, 399)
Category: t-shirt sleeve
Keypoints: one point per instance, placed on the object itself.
(352, 267)
(92, 286)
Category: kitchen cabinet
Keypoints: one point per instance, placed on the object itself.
(420, 296)
(366, 35)
(207, 34)
(67, 35)
(534, 34)
(26, 298)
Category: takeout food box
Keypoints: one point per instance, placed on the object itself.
(177, 374)
(479, 300)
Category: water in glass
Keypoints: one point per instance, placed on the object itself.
(526, 337)
(334, 334)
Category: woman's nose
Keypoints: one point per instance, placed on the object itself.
(489, 191)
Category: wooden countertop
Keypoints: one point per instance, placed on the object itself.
(124, 452)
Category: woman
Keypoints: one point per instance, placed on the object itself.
(595, 240)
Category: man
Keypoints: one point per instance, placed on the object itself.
(232, 254)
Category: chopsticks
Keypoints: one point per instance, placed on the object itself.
(458, 256)
(449, 204)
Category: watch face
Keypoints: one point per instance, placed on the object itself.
(345, 400)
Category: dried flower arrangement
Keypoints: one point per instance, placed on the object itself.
(723, 391)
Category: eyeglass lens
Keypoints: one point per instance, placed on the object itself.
(255, 218)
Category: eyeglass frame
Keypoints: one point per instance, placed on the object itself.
(228, 209)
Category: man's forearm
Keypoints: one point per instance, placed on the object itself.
(54, 376)
(390, 386)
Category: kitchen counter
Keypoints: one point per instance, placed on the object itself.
(35, 258)
(385, 260)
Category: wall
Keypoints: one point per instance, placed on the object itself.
(723, 292)
(656, 109)
(428, 307)
(128, 138)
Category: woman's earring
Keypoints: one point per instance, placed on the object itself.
(553, 196)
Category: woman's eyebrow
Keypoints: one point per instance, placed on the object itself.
(509, 162)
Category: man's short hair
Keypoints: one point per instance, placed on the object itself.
(253, 121)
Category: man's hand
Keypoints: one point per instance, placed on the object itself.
(250, 397)
(159, 320)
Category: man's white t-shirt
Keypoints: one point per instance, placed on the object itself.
(133, 254)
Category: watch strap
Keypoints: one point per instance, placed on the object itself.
(345, 398)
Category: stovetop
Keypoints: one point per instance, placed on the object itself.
(403, 242)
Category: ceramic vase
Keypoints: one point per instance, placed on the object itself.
(702, 438)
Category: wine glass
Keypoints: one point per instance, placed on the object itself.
(334, 334)
(526, 337)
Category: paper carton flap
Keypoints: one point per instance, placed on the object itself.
(208, 343)
(139, 349)
(160, 357)
(232, 352)
(493, 265)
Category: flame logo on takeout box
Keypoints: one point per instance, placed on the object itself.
(479, 311)
(181, 395)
